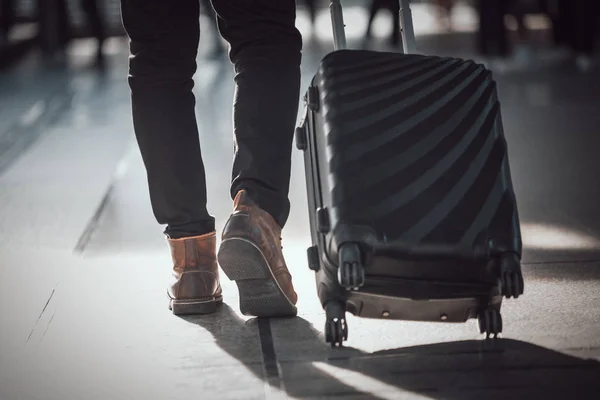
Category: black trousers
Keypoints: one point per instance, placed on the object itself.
(265, 48)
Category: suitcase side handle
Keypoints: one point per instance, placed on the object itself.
(409, 42)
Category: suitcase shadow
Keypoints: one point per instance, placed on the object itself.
(305, 366)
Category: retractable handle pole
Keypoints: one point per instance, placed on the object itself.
(408, 31)
(337, 21)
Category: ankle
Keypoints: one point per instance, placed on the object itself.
(190, 230)
(191, 237)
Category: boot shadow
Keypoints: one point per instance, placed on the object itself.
(251, 341)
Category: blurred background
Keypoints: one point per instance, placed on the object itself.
(84, 266)
(498, 28)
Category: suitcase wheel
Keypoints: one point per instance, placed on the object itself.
(510, 283)
(490, 322)
(336, 327)
(351, 272)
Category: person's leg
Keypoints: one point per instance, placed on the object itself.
(164, 43)
(164, 40)
(266, 52)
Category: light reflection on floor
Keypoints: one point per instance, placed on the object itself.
(549, 237)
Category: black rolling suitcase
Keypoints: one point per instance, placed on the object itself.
(412, 210)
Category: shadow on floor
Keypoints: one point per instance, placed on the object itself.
(446, 371)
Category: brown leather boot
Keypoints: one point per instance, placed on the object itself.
(196, 289)
(250, 254)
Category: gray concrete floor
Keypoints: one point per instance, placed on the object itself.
(84, 267)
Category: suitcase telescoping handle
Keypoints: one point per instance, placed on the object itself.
(409, 42)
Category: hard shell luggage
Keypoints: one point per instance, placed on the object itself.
(412, 210)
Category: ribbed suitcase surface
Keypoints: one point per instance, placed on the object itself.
(415, 148)
(411, 205)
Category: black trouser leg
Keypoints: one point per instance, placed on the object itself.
(164, 43)
(266, 52)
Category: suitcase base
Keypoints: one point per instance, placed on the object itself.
(376, 306)
(410, 299)
(373, 305)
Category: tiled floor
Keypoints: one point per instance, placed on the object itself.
(83, 266)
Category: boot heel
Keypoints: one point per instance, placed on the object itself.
(192, 307)
(260, 294)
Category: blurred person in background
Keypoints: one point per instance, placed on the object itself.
(97, 25)
(266, 50)
(56, 26)
(312, 11)
(445, 8)
(7, 20)
(519, 9)
(492, 34)
(576, 26)
(393, 6)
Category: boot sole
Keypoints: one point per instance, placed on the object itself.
(260, 293)
(194, 307)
